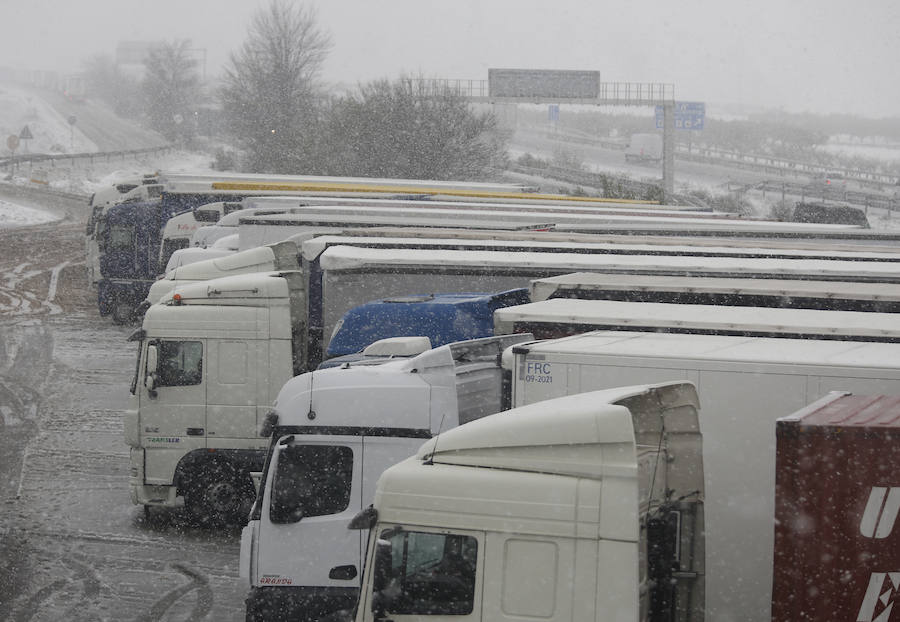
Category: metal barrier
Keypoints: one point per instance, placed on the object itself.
(73, 158)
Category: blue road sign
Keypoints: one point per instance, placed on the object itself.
(553, 112)
(688, 116)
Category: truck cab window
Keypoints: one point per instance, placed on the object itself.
(120, 237)
(180, 363)
(431, 573)
(311, 480)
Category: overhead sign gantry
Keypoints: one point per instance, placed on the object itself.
(553, 86)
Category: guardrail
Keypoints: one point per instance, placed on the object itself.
(14, 162)
(766, 163)
(592, 180)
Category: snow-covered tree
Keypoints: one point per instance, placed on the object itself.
(270, 91)
(171, 88)
(412, 128)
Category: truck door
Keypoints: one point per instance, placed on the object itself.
(312, 491)
(173, 414)
(233, 371)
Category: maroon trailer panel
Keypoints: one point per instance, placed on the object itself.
(837, 497)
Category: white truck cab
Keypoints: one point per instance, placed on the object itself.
(203, 385)
(582, 508)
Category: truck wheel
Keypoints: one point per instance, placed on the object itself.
(123, 313)
(217, 494)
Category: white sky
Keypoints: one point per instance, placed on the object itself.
(818, 55)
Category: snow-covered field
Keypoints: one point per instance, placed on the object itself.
(53, 134)
(13, 215)
(51, 130)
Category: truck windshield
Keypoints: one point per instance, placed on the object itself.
(430, 573)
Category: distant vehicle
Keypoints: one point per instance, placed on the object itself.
(644, 148)
(830, 179)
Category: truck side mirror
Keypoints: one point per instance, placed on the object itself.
(152, 359)
(152, 365)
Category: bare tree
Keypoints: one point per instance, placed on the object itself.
(171, 89)
(270, 90)
(119, 90)
(412, 128)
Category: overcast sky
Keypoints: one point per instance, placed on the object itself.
(817, 55)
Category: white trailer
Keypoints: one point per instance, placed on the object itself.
(560, 317)
(449, 235)
(354, 270)
(800, 294)
(745, 384)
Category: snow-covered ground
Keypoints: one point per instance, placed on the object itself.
(51, 130)
(85, 180)
(53, 134)
(14, 215)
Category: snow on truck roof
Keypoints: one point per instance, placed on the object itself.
(555, 241)
(348, 258)
(689, 317)
(541, 289)
(714, 350)
(433, 203)
(297, 215)
(216, 180)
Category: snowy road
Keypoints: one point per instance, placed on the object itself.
(72, 544)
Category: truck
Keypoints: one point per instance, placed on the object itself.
(585, 507)
(140, 189)
(745, 385)
(644, 148)
(210, 363)
(179, 230)
(128, 240)
(311, 221)
(559, 317)
(782, 293)
(338, 429)
(829, 530)
(286, 204)
(348, 270)
(128, 236)
(351, 270)
(441, 318)
(836, 509)
(651, 250)
(261, 228)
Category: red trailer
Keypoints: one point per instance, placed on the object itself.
(837, 497)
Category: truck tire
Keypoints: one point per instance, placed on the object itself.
(217, 494)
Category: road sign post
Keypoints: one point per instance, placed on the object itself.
(26, 135)
(72, 120)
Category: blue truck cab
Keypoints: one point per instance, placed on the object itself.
(129, 235)
(443, 318)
